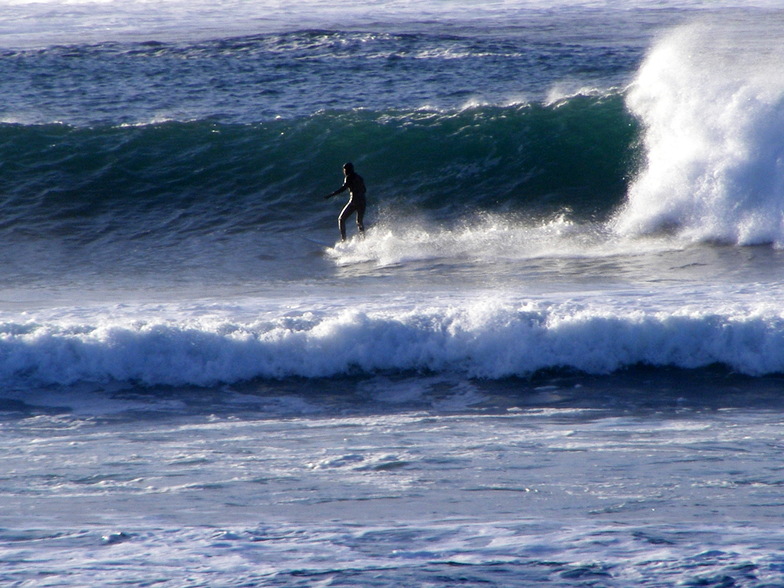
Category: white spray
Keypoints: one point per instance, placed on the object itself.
(711, 99)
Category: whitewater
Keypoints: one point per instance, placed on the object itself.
(556, 356)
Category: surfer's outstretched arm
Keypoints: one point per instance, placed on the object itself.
(343, 188)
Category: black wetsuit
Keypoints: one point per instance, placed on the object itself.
(356, 203)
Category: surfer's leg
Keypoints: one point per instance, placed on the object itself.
(342, 228)
(344, 214)
(360, 219)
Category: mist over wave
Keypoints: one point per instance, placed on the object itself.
(710, 97)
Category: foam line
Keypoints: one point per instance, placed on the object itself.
(479, 339)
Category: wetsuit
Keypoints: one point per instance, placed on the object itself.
(356, 203)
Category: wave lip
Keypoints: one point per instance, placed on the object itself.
(485, 339)
(712, 105)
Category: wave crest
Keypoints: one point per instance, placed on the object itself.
(485, 339)
(712, 106)
(203, 176)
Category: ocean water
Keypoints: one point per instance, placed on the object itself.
(556, 358)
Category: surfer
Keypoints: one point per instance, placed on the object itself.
(356, 203)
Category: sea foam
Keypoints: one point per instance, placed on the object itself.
(484, 337)
(485, 239)
(712, 106)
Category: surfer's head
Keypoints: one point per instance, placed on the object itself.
(348, 168)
